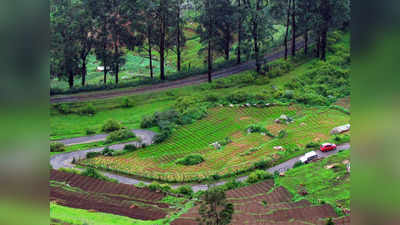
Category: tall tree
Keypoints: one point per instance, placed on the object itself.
(64, 45)
(225, 23)
(207, 30)
(178, 30)
(241, 16)
(259, 26)
(305, 18)
(281, 12)
(215, 210)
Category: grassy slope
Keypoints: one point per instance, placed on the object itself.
(329, 185)
(66, 126)
(84, 217)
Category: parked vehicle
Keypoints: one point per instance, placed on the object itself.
(326, 147)
(308, 157)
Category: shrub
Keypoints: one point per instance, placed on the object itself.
(90, 155)
(278, 68)
(297, 164)
(165, 187)
(148, 121)
(211, 98)
(190, 160)
(88, 110)
(126, 103)
(185, 190)
(226, 141)
(57, 147)
(238, 97)
(107, 152)
(282, 134)
(254, 128)
(261, 80)
(90, 131)
(262, 164)
(185, 102)
(63, 109)
(312, 145)
(130, 148)
(161, 137)
(119, 135)
(90, 172)
(110, 126)
(257, 176)
(154, 186)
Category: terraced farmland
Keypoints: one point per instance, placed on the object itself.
(99, 196)
(158, 161)
(264, 204)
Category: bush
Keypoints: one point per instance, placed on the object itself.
(119, 135)
(63, 108)
(88, 110)
(312, 145)
(262, 164)
(90, 172)
(90, 155)
(161, 137)
(282, 134)
(185, 190)
(254, 128)
(57, 147)
(90, 131)
(238, 97)
(148, 122)
(226, 141)
(154, 186)
(130, 148)
(110, 126)
(297, 164)
(190, 160)
(185, 102)
(126, 103)
(211, 98)
(278, 68)
(107, 152)
(257, 176)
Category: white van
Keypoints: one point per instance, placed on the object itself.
(308, 157)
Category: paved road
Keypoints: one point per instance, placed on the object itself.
(64, 161)
(146, 136)
(171, 84)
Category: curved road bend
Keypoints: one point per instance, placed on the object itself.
(172, 84)
(64, 160)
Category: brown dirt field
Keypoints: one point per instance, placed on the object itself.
(82, 192)
(262, 204)
(344, 102)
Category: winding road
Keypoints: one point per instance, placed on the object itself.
(276, 54)
(64, 160)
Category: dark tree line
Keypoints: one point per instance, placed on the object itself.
(108, 28)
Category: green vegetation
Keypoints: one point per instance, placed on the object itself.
(258, 175)
(110, 126)
(57, 147)
(119, 135)
(323, 184)
(190, 160)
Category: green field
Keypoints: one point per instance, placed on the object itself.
(158, 161)
(329, 185)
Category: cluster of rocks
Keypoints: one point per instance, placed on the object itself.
(284, 119)
(340, 129)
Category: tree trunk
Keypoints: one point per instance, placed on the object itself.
(318, 46)
(255, 37)
(150, 52)
(227, 46)
(84, 72)
(70, 79)
(238, 60)
(116, 63)
(294, 28)
(178, 47)
(323, 43)
(162, 41)
(287, 29)
(209, 59)
(306, 42)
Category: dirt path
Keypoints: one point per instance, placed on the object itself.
(170, 84)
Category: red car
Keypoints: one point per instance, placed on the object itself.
(327, 147)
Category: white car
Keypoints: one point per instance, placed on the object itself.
(308, 157)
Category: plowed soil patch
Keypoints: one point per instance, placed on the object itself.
(82, 192)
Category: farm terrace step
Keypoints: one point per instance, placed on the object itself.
(95, 185)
